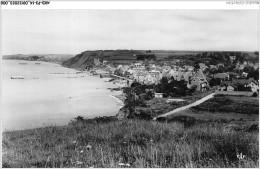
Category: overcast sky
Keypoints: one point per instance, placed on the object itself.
(74, 31)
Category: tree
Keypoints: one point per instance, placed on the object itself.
(196, 66)
(135, 84)
(132, 101)
(248, 69)
(241, 87)
(253, 74)
(192, 90)
(214, 82)
(149, 95)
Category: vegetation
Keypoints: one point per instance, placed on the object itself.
(253, 73)
(228, 104)
(140, 100)
(207, 135)
(169, 87)
(213, 58)
(173, 88)
(131, 143)
(146, 57)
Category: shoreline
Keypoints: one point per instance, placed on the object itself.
(119, 101)
(115, 97)
(66, 99)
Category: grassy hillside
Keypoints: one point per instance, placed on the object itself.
(231, 104)
(82, 60)
(131, 143)
(238, 111)
(87, 57)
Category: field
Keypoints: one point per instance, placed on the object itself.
(158, 106)
(227, 104)
(131, 143)
(236, 111)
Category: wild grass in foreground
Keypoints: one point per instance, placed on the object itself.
(131, 143)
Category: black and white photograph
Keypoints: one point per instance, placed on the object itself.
(144, 86)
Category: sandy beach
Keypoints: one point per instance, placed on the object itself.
(49, 94)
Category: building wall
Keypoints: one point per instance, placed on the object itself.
(158, 95)
(230, 88)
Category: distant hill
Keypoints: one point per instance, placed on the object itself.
(87, 58)
(188, 57)
(56, 58)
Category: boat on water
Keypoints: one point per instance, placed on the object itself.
(23, 63)
(17, 77)
(37, 63)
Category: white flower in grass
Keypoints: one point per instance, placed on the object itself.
(121, 164)
(79, 163)
(89, 147)
(74, 142)
(128, 165)
(81, 151)
(241, 156)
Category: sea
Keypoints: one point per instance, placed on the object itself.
(38, 94)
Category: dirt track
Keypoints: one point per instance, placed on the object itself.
(188, 106)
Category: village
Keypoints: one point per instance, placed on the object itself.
(148, 72)
(145, 84)
(165, 86)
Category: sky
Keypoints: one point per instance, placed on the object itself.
(75, 31)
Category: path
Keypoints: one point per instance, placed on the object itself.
(187, 106)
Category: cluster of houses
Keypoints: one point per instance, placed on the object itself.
(152, 73)
(236, 84)
(240, 85)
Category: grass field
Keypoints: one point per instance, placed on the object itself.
(237, 111)
(158, 106)
(131, 143)
(227, 104)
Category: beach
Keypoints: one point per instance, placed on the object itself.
(36, 94)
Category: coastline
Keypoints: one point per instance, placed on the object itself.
(117, 97)
(53, 99)
(119, 101)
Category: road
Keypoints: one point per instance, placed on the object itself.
(187, 106)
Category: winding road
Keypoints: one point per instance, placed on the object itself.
(187, 106)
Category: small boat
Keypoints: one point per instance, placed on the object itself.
(17, 77)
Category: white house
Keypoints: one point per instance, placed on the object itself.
(230, 88)
(137, 65)
(158, 95)
(254, 86)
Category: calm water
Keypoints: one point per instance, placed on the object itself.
(50, 95)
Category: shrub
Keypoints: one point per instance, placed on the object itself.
(254, 94)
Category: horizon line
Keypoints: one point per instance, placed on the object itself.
(183, 50)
